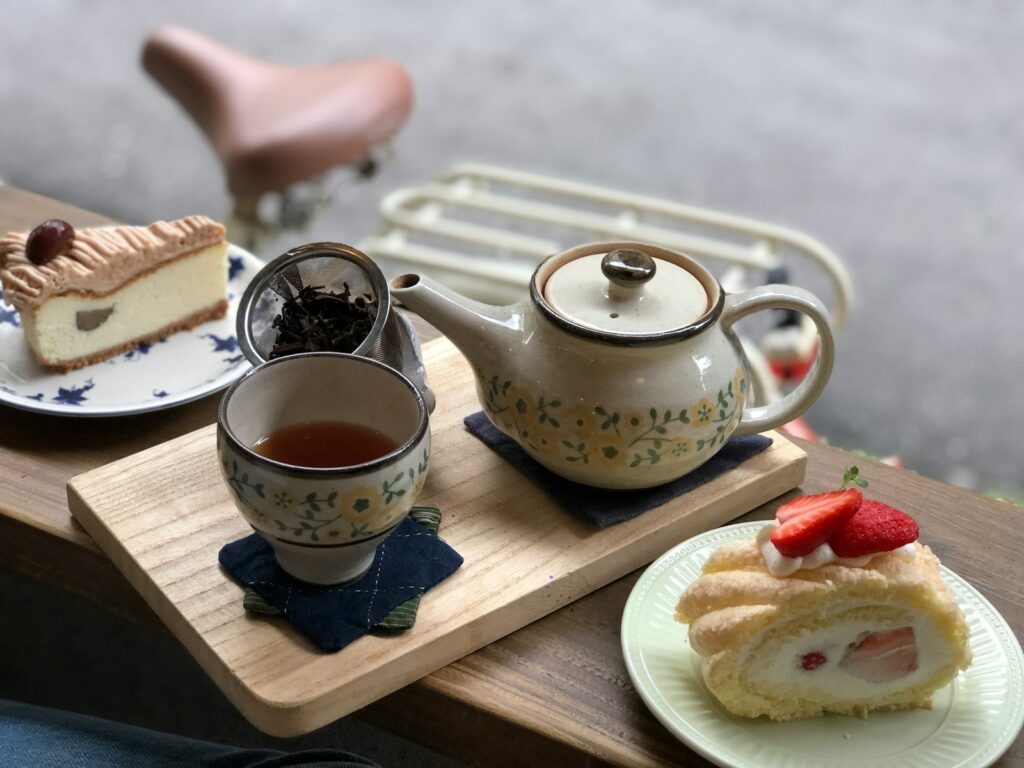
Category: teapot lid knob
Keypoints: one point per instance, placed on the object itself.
(628, 268)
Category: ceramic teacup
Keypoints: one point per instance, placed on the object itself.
(324, 524)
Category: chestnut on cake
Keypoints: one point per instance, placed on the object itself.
(834, 607)
(89, 295)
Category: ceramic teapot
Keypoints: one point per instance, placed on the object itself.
(622, 370)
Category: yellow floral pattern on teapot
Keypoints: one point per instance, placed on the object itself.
(599, 434)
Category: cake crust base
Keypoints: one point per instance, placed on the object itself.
(213, 312)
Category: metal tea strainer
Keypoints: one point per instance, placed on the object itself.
(333, 267)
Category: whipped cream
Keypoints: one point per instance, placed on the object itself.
(779, 565)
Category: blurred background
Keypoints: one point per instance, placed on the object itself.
(892, 131)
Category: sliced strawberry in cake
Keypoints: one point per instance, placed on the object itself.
(883, 656)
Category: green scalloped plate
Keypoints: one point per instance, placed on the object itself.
(973, 721)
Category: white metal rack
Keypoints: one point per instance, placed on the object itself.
(483, 230)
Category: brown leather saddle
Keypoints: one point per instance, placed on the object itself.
(274, 125)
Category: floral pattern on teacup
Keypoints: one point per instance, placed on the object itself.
(320, 515)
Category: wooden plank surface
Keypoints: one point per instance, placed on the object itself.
(24, 210)
(163, 514)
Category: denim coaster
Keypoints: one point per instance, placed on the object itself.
(408, 563)
(399, 618)
(600, 506)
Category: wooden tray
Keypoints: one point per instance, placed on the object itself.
(163, 514)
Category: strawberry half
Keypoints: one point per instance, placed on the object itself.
(811, 520)
(805, 504)
(875, 528)
(882, 656)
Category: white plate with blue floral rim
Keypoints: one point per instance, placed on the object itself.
(972, 722)
(183, 367)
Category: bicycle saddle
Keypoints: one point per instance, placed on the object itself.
(273, 125)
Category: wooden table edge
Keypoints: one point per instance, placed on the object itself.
(74, 564)
(118, 596)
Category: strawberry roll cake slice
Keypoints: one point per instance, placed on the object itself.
(834, 607)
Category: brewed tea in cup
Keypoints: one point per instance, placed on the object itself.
(324, 454)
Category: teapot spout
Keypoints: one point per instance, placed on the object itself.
(484, 333)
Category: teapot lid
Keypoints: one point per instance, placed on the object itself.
(627, 293)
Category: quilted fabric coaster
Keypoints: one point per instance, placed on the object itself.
(408, 563)
(600, 506)
(398, 619)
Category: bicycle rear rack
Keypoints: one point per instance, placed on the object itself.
(483, 230)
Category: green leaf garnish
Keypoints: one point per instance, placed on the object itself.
(852, 475)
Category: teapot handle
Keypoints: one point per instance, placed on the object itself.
(739, 305)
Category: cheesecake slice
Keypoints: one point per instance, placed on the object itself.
(113, 289)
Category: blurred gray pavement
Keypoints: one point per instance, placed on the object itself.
(891, 130)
